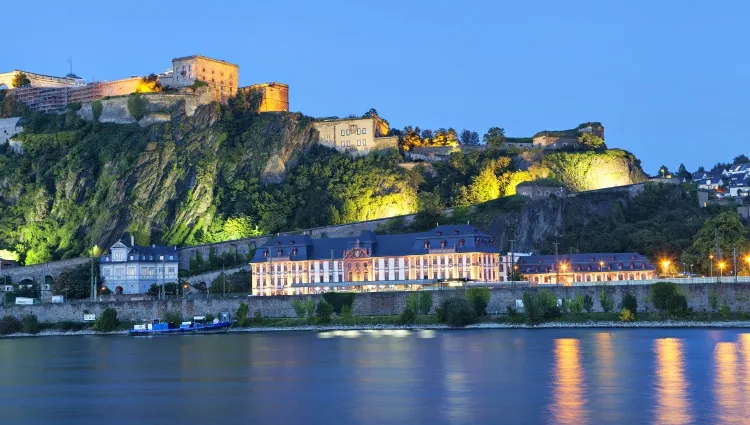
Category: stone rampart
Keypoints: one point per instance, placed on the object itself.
(37, 272)
(737, 296)
(209, 277)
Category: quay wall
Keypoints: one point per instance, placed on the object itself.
(736, 295)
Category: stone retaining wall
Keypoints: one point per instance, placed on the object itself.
(737, 295)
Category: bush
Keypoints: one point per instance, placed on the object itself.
(457, 312)
(299, 307)
(576, 305)
(10, 325)
(31, 325)
(210, 317)
(666, 298)
(324, 311)
(725, 311)
(172, 317)
(606, 302)
(412, 302)
(713, 300)
(242, 311)
(137, 105)
(408, 317)
(425, 302)
(478, 298)
(630, 302)
(107, 321)
(542, 306)
(338, 300)
(588, 303)
(309, 307)
(257, 318)
(347, 314)
(626, 315)
(96, 109)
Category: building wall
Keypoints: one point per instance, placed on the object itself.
(8, 128)
(737, 295)
(39, 80)
(135, 277)
(274, 96)
(606, 276)
(277, 277)
(539, 192)
(554, 142)
(221, 76)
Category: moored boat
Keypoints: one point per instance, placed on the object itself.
(199, 325)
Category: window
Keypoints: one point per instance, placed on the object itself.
(131, 271)
(161, 258)
(359, 142)
(131, 258)
(118, 256)
(343, 132)
(364, 131)
(170, 270)
(348, 132)
(359, 131)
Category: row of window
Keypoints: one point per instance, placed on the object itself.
(364, 264)
(350, 132)
(145, 271)
(120, 256)
(348, 143)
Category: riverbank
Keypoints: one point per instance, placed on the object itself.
(421, 327)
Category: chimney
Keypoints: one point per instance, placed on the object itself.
(132, 240)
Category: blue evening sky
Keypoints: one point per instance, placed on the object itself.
(669, 79)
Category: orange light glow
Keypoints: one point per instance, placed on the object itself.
(569, 404)
(729, 398)
(672, 405)
(722, 265)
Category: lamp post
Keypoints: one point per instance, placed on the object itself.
(601, 268)
(721, 270)
(665, 264)
(711, 258)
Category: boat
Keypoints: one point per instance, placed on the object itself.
(199, 325)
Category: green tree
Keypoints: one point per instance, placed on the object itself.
(606, 301)
(485, 186)
(629, 302)
(456, 312)
(31, 324)
(478, 299)
(299, 307)
(20, 80)
(425, 302)
(494, 138)
(713, 299)
(740, 159)
(588, 303)
(589, 141)
(469, 138)
(242, 315)
(664, 171)
(666, 297)
(731, 234)
(75, 283)
(324, 311)
(107, 321)
(683, 173)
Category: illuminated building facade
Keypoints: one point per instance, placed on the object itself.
(299, 264)
(572, 268)
(221, 76)
(357, 136)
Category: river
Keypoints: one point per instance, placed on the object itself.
(551, 376)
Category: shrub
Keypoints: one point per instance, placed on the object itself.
(10, 325)
(713, 300)
(630, 302)
(324, 311)
(346, 314)
(725, 311)
(408, 317)
(107, 321)
(425, 302)
(478, 298)
(172, 317)
(97, 108)
(588, 303)
(210, 317)
(242, 311)
(137, 105)
(606, 302)
(576, 305)
(257, 318)
(31, 324)
(457, 312)
(512, 312)
(666, 298)
(338, 300)
(299, 307)
(626, 315)
(412, 302)
(309, 307)
(542, 306)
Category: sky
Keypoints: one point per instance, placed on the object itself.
(669, 79)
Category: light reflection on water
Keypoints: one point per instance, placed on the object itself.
(569, 405)
(608, 378)
(672, 406)
(729, 403)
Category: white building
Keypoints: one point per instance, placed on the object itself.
(132, 269)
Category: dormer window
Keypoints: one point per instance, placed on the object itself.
(294, 251)
(443, 243)
(455, 232)
(291, 242)
(278, 242)
(265, 253)
(278, 252)
(439, 233)
(460, 242)
(612, 258)
(426, 244)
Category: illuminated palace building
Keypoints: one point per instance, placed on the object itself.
(447, 254)
(571, 268)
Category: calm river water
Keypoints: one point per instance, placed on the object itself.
(561, 376)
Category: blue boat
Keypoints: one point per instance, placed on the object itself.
(199, 325)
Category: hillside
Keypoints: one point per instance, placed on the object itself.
(226, 172)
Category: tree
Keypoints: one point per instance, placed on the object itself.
(425, 302)
(740, 159)
(494, 138)
(731, 234)
(469, 138)
(589, 141)
(75, 283)
(456, 312)
(666, 298)
(485, 186)
(664, 171)
(683, 173)
(478, 298)
(629, 302)
(324, 311)
(588, 303)
(20, 80)
(108, 321)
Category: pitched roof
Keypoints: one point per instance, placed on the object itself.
(461, 238)
(146, 253)
(623, 261)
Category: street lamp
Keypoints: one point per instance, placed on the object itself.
(665, 263)
(601, 269)
(711, 257)
(721, 270)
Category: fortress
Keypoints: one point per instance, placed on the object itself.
(47, 93)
